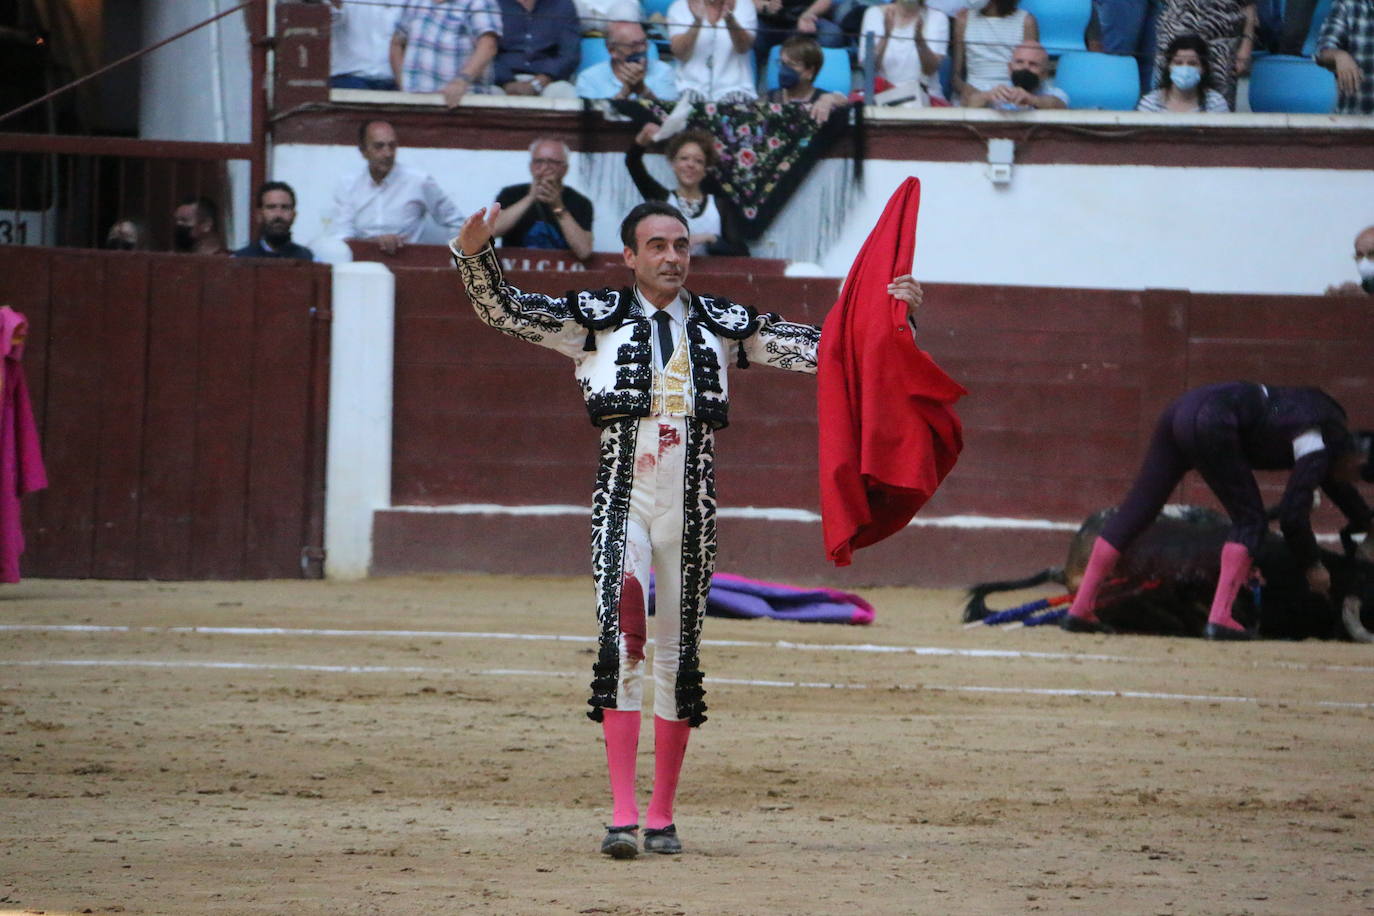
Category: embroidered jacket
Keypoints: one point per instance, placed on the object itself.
(607, 335)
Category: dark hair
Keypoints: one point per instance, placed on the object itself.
(701, 138)
(362, 129)
(205, 209)
(1002, 8)
(275, 186)
(642, 212)
(1187, 42)
(806, 50)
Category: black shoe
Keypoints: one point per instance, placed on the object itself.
(664, 842)
(621, 842)
(1221, 633)
(1078, 625)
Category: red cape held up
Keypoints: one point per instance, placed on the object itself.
(888, 430)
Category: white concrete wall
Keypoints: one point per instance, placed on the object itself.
(358, 453)
(1120, 227)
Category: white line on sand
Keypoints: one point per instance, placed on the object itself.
(739, 682)
(874, 648)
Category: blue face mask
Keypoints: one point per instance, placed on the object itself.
(787, 77)
(1184, 76)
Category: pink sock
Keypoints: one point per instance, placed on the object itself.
(1102, 561)
(670, 746)
(1235, 569)
(621, 728)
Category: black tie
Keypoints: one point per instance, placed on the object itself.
(665, 336)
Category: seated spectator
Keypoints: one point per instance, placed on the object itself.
(360, 45)
(1027, 85)
(545, 213)
(711, 40)
(1364, 265)
(1345, 46)
(539, 48)
(781, 19)
(388, 201)
(1186, 83)
(984, 41)
(1229, 27)
(127, 234)
(798, 63)
(446, 46)
(195, 227)
(713, 220)
(276, 213)
(910, 41)
(630, 73)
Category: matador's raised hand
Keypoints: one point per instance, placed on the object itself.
(908, 290)
(478, 229)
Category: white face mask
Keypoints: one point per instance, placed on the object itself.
(1366, 267)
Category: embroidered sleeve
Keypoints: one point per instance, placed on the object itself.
(532, 317)
(784, 344)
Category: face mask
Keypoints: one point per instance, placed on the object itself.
(787, 77)
(118, 244)
(637, 58)
(1025, 79)
(1185, 76)
(1366, 268)
(182, 240)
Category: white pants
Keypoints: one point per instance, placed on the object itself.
(654, 507)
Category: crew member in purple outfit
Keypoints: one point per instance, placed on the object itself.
(1224, 432)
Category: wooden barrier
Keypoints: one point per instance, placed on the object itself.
(1065, 385)
(181, 403)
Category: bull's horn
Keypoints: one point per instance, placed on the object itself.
(1350, 616)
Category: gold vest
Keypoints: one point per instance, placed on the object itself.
(672, 394)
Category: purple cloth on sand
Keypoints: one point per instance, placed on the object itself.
(736, 596)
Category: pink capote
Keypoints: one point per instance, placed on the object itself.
(888, 430)
(21, 457)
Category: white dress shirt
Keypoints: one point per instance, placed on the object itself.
(360, 40)
(364, 209)
(713, 68)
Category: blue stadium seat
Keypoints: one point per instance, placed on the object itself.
(1293, 85)
(593, 52)
(835, 75)
(1061, 23)
(1110, 81)
(1309, 47)
(655, 7)
(946, 74)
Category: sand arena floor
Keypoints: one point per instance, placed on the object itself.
(447, 767)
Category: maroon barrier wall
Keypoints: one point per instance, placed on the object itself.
(182, 403)
(1064, 389)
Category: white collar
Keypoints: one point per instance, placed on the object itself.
(677, 309)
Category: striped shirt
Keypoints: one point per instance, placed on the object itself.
(440, 36)
(1154, 101)
(989, 42)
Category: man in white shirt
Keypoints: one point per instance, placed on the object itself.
(360, 45)
(388, 201)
